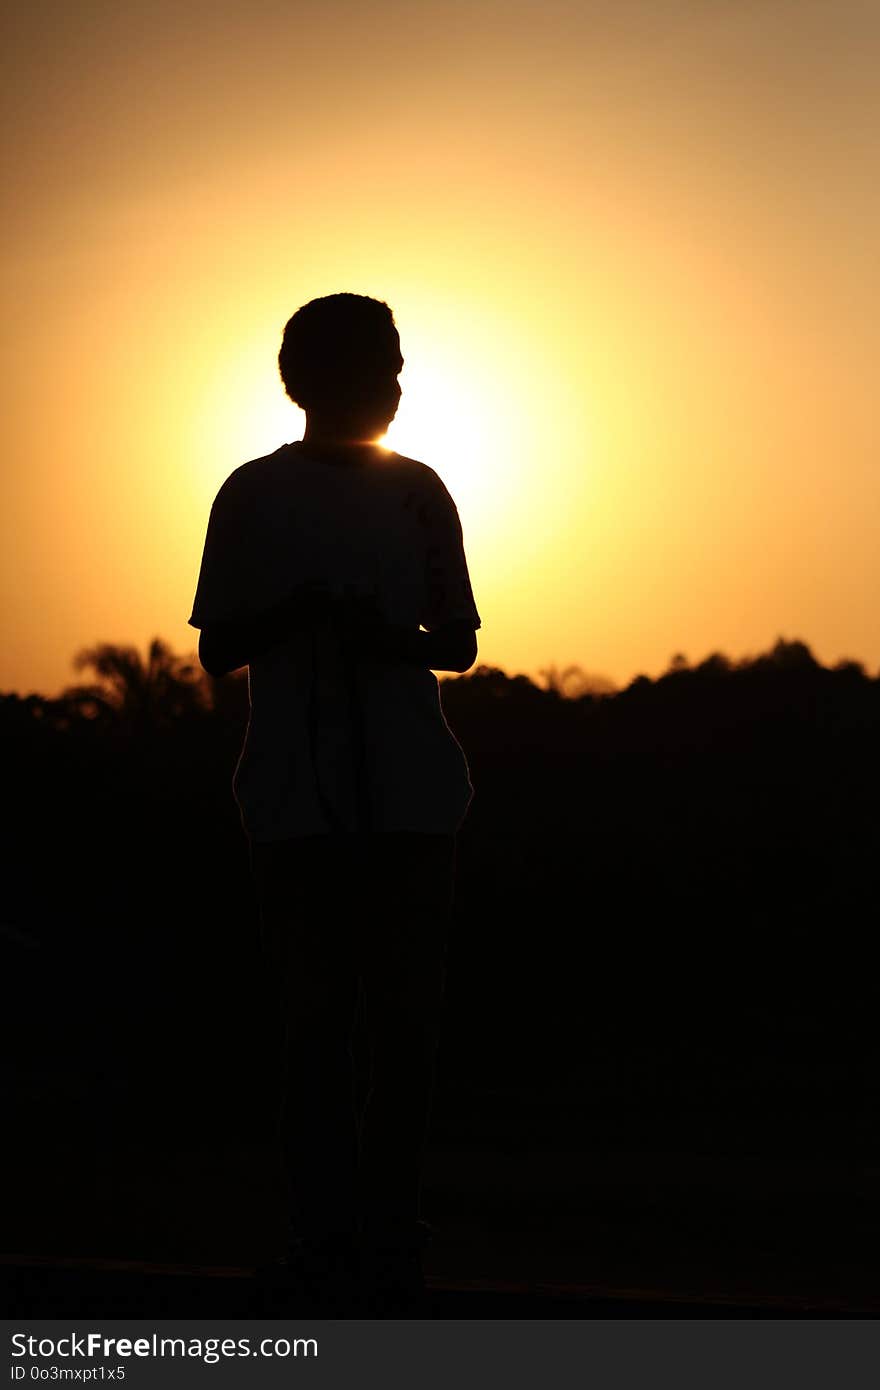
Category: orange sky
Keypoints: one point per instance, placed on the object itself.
(631, 249)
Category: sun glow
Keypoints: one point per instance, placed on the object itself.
(441, 420)
(466, 410)
(446, 427)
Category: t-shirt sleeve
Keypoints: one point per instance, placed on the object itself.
(448, 593)
(223, 582)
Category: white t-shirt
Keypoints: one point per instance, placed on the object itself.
(330, 744)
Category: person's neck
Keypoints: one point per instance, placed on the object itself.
(336, 447)
(329, 435)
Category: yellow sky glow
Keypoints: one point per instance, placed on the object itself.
(631, 251)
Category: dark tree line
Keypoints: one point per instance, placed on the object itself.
(666, 905)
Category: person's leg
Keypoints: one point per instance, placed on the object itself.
(306, 929)
(401, 945)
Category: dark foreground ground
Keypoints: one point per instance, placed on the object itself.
(119, 1290)
(139, 1175)
(536, 1234)
(642, 1120)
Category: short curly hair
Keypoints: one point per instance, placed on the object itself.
(335, 341)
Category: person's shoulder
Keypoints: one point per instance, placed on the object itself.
(412, 468)
(252, 478)
(421, 476)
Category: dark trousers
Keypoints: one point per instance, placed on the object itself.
(339, 914)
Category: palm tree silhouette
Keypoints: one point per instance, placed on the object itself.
(137, 694)
(572, 682)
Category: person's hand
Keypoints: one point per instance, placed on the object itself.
(364, 631)
(311, 599)
(357, 608)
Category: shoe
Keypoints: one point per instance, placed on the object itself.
(391, 1267)
(324, 1276)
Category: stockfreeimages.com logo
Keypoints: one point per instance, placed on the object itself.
(94, 1345)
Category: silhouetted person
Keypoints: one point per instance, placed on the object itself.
(322, 564)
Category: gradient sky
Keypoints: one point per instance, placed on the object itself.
(631, 248)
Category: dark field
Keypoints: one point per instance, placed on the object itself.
(657, 1080)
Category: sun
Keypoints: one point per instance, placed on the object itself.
(446, 419)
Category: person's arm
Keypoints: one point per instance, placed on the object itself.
(452, 647)
(226, 647)
(449, 612)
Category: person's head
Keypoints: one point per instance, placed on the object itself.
(339, 361)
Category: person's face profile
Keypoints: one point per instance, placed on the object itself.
(388, 394)
(375, 394)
